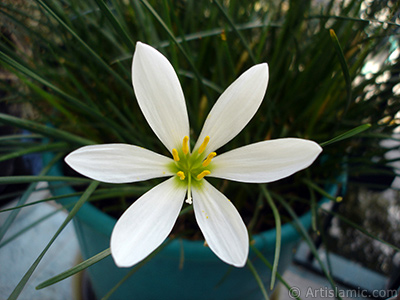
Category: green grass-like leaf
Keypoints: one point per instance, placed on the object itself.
(258, 279)
(47, 131)
(308, 240)
(347, 134)
(76, 269)
(84, 45)
(173, 38)
(29, 227)
(18, 289)
(269, 265)
(359, 228)
(345, 68)
(38, 178)
(136, 268)
(278, 229)
(27, 193)
(35, 149)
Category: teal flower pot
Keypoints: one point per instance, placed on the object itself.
(183, 269)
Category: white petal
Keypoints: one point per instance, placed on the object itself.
(146, 223)
(118, 163)
(265, 161)
(221, 224)
(235, 108)
(160, 95)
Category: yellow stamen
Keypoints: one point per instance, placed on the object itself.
(202, 174)
(181, 175)
(204, 144)
(185, 146)
(175, 154)
(207, 161)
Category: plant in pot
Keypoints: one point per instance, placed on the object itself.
(78, 79)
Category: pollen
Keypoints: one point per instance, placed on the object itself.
(185, 145)
(207, 161)
(181, 175)
(204, 144)
(202, 174)
(175, 154)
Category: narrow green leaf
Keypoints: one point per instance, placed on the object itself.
(50, 98)
(34, 149)
(167, 17)
(347, 134)
(10, 219)
(347, 18)
(258, 207)
(28, 227)
(18, 289)
(115, 23)
(31, 188)
(31, 74)
(361, 229)
(172, 36)
(203, 34)
(29, 178)
(235, 30)
(72, 101)
(258, 279)
(269, 265)
(40, 201)
(19, 137)
(136, 268)
(278, 234)
(321, 191)
(76, 269)
(206, 82)
(345, 68)
(314, 206)
(97, 195)
(44, 130)
(123, 120)
(86, 46)
(307, 239)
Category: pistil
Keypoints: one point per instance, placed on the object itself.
(189, 193)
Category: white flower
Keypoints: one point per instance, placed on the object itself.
(149, 220)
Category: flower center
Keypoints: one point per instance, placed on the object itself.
(191, 168)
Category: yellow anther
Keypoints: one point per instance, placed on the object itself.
(204, 144)
(223, 35)
(181, 175)
(175, 154)
(185, 145)
(202, 174)
(207, 161)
